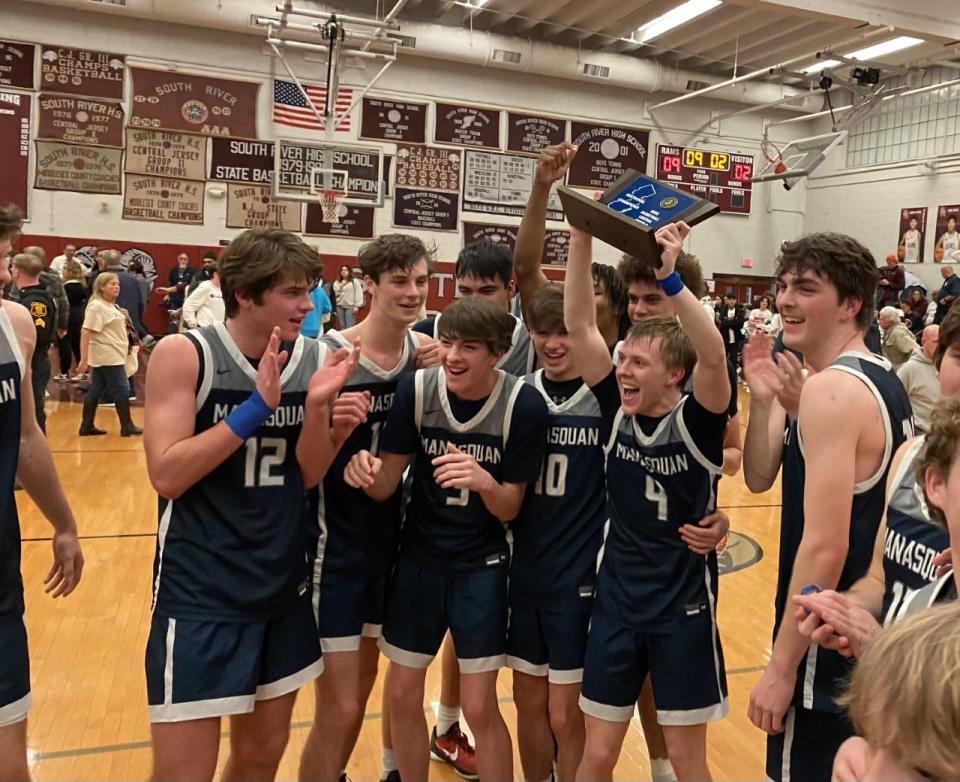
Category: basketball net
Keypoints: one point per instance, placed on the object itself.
(330, 201)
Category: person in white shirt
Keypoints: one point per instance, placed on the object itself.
(760, 318)
(57, 263)
(204, 306)
(911, 241)
(349, 297)
(949, 242)
(919, 378)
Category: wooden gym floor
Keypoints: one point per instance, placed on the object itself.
(89, 718)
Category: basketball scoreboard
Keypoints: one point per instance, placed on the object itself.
(721, 177)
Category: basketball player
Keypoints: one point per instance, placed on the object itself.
(478, 436)
(556, 539)
(233, 630)
(911, 241)
(949, 242)
(906, 544)
(485, 269)
(655, 606)
(362, 535)
(24, 457)
(835, 460)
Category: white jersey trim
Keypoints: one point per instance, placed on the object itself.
(651, 439)
(552, 406)
(247, 368)
(206, 381)
(15, 712)
(7, 328)
(703, 461)
(452, 422)
(907, 463)
(162, 530)
(511, 403)
(368, 364)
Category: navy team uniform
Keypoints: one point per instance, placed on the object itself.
(232, 616)
(656, 603)
(912, 538)
(517, 361)
(814, 727)
(14, 662)
(942, 590)
(557, 536)
(362, 536)
(453, 563)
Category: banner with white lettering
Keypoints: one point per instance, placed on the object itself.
(16, 64)
(78, 168)
(80, 120)
(240, 160)
(82, 72)
(14, 148)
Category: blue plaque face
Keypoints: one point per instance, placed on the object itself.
(650, 203)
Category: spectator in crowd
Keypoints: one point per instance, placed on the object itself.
(205, 305)
(174, 293)
(731, 320)
(349, 294)
(911, 283)
(104, 346)
(39, 303)
(54, 286)
(760, 318)
(911, 319)
(131, 296)
(205, 272)
(77, 294)
(100, 264)
(918, 302)
(319, 316)
(919, 377)
(948, 291)
(58, 263)
(146, 285)
(896, 340)
(891, 283)
(904, 701)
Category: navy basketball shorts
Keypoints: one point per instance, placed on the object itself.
(349, 608)
(685, 665)
(199, 669)
(805, 750)
(425, 601)
(14, 671)
(545, 642)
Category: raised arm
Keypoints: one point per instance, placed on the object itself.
(528, 252)
(763, 449)
(580, 311)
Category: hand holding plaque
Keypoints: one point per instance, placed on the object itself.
(630, 212)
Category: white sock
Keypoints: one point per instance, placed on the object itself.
(388, 762)
(662, 770)
(446, 716)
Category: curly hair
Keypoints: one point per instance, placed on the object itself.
(688, 267)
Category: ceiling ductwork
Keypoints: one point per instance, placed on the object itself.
(478, 48)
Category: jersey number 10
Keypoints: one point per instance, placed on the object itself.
(553, 476)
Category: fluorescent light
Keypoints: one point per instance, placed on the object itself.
(870, 53)
(675, 17)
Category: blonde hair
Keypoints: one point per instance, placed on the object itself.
(73, 270)
(939, 449)
(101, 282)
(29, 264)
(904, 696)
(676, 350)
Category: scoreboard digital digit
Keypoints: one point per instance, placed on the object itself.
(721, 177)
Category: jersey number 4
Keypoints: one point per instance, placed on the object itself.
(658, 497)
(268, 452)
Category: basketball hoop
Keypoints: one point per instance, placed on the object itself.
(330, 201)
(329, 187)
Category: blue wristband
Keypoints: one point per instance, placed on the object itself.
(671, 284)
(247, 417)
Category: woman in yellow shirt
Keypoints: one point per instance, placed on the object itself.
(103, 348)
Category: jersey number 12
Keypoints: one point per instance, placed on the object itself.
(269, 452)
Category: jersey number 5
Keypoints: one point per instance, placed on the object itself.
(270, 452)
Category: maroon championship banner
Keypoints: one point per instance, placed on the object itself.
(382, 119)
(163, 200)
(430, 168)
(14, 148)
(425, 209)
(250, 206)
(528, 134)
(913, 231)
(356, 222)
(164, 100)
(604, 153)
(466, 126)
(80, 120)
(240, 160)
(82, 72)
(555, 243)
(78, 168)
(16, 64)
(946, 237)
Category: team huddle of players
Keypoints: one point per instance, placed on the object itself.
(399, 487)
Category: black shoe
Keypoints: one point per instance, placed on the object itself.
(127, 426)
(393, 776)
(86, 422)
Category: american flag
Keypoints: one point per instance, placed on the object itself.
(291, 108)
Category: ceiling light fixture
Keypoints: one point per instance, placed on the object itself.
(869, 53)
(675, 17)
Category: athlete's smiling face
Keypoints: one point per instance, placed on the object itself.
(554, 354)
(643, 377)
(492, 289)
(468, 367)
(810, 309)
(645, 300)
(400, 293)
(285, 305)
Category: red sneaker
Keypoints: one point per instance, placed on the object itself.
(454, 748)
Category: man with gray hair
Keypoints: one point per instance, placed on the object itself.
(897, 342)
(919, 377)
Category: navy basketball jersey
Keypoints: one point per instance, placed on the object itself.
(234, 545)
(941, 590)
(452, 528)
(648, 578)
(11, 374)
(912, 538)
(559, 530)
(362, 535)
(822, 670)
(519, 359)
